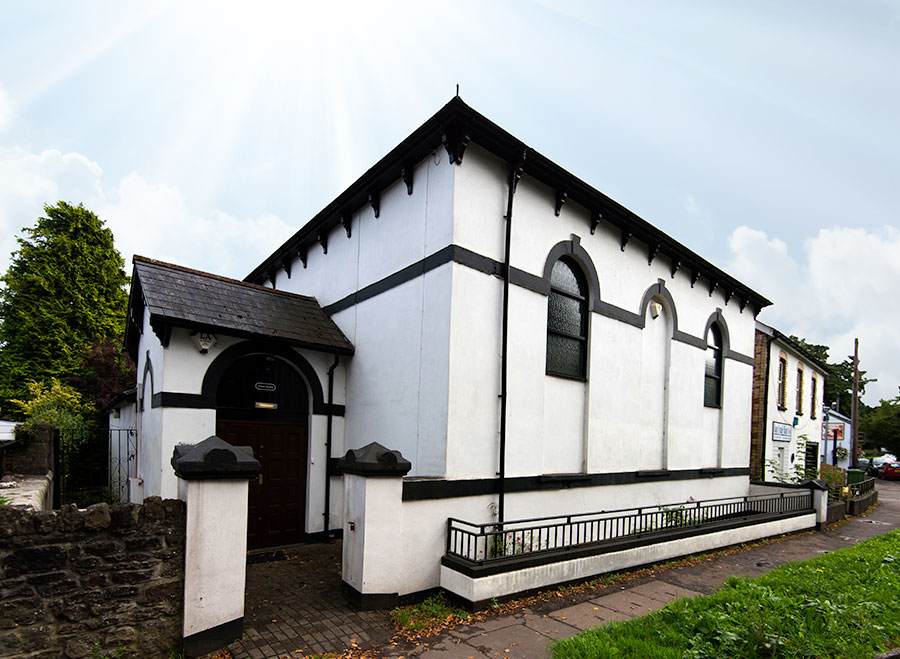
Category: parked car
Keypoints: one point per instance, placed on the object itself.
(866, 465)
(889, 470)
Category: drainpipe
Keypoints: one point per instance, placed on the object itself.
(515, 173)
(327, 512)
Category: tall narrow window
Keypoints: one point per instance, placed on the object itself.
(567, 319)
(712, 385)
(799, 390)
(782, 383)
(812, 397)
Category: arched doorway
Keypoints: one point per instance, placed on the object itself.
(262, 402)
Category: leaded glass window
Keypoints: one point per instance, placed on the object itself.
(567, 316)
(712, 383)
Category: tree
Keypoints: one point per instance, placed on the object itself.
(57, 404)
(882, 425)
(106, 371)
(839, 380)
(64, 292)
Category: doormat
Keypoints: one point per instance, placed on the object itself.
(266, 556)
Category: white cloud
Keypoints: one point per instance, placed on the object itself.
(6, 109)
(839, 289)
(154, 220)
(30, 180)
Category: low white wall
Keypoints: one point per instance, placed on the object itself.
(508, 583)
(424, 523)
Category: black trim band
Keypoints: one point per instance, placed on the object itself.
(214, 638)
(488, 266)
(369, 601)
(420, 490)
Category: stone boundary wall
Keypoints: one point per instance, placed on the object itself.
(107, 575)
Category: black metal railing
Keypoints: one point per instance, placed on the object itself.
(481, 543)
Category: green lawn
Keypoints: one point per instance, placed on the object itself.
(842, 604)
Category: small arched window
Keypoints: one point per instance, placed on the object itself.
(712, 385)
(567, 321)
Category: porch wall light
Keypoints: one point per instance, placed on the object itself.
(204, 341)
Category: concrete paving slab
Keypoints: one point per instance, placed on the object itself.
(582, 616)
(485, 626)
(446, 650)
(516, 642)
(549, 626)
(662, 591)
(629, 602)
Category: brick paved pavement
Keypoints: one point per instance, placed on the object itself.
(296, 604)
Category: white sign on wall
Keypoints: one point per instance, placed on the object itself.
(781, 432)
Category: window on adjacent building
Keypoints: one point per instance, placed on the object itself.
(812, 397)
(782, 383)
(712, 384)
(799, 390)
(567, 320)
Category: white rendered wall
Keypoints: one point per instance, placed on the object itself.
(642, 407)
(397, 380)
(474, 375)
(806, 425)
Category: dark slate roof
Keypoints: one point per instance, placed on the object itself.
(181, 297)
(453, 127)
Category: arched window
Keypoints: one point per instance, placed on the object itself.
(567, 321)
(712, 385)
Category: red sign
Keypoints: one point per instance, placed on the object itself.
(830, 429)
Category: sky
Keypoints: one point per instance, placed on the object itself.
(764, 135)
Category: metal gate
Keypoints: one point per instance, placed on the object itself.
(92, 465)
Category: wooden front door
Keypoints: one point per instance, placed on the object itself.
(261, 402)
(278, 496)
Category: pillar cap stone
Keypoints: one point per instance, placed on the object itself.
(374, 460)
(214, 459)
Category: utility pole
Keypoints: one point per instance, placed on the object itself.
(854, 415)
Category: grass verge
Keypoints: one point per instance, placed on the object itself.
(842, 604)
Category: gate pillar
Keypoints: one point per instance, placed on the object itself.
(373, 524)
(216, 476)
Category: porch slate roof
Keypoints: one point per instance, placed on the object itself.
(181, 297)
